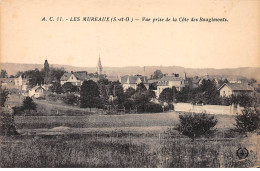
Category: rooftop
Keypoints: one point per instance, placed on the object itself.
(238, 86)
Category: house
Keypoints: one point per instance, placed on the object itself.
(21, 83)
(76, 78)
(170, 81)
(112, 78)
(211, 78)
(228, 89)
(133, 81)
(234, 80)
(37, 91)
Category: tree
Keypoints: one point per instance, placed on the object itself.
(102, 87)
(196, 125)
(129, 92)
(141, 87)
(19, 73)
(142, 100)
(209, 91)
(221, 82)
(3, 96)
(56, 88)
(35, 77)
(115, 88)
(29, 104)
(168, 95)
(3, 74)
(55, 74)
(153, 86)
(184, 95)
(69, 87)
(252, 81)
(89, 95)
(70, 99)
(243, 100)
(157, 74)
(248, 121)
(7, 126)
(119, 93)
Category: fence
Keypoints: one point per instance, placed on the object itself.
(209, 109)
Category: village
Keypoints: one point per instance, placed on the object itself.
(51, 109)
(120, 92)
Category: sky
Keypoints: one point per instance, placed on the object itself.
(25, 38)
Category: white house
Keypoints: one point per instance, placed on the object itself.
(37, 91)
(21, 82)
(76, 78)
(228, 89)
(133, 81)
(170, 81)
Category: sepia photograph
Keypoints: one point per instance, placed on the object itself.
(129, 84)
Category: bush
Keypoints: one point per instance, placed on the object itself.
(7, 126)
(29, 104)
(248, 121)
(150, 108)
(69, 87)
(51, 97)
(197, 125)
(3, 96)
(71, 99)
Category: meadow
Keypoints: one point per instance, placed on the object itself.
(86, 150)
(74, 137)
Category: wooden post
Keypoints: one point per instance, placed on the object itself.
(97, 135)
(159, 138)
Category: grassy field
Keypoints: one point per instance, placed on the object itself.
(109, 121)
(71, 137)
(84, 151)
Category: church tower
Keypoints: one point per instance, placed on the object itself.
(46, 72)
(99, 67)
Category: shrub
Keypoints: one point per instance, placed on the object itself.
(7, 126)
(29, 104)
(150, 108)
(69, 87)
(71, 99)
(3, 96)
(51, 97)
(248, 121)
(197, 125)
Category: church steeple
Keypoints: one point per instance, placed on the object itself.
(99, 67)
(46, 72)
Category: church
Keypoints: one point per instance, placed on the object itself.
(99, 67)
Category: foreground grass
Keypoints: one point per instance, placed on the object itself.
(83, 151)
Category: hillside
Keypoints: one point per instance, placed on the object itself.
(248, 72)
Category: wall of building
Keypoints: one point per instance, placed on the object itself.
(225, 91)
(209, 109)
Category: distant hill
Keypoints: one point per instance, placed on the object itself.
(243, 72)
